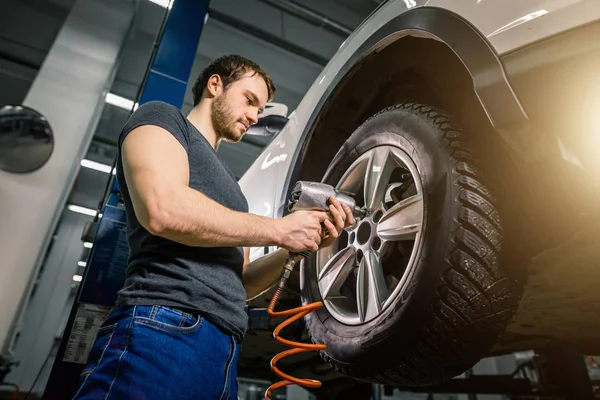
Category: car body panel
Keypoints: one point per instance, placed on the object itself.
(511, 24)
(261, 183)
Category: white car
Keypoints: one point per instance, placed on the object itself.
(470, 131)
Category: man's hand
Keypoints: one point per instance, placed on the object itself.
(301, 230)
(343, 218)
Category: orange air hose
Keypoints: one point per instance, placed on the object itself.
(296, 347)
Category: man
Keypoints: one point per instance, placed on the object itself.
(176, 329)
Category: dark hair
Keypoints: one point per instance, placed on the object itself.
(230, 68)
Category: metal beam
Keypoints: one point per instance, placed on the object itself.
(13, 58)
(310, 16)
(267, 37)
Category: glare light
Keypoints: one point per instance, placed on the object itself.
(163, 3)
(519, 21)
(81, 263)
(410, 3)
(82, 210)
(95, 165)
(120, 102)
(77, 278)
(87, 245)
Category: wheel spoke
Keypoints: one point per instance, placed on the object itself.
(371, 289)
(352, 180)
(377, 176)
(403, 221)
(336, 271)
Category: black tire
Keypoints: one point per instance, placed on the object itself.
(458, 300)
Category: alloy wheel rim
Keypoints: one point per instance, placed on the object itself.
(362, 274)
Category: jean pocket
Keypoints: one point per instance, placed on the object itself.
(101, 343)
(170, 320)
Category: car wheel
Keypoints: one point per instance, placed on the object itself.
(414, 293)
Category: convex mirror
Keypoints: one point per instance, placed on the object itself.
(26, 139)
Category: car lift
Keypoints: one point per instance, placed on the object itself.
(556, 372)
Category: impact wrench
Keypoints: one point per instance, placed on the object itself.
(305, 196)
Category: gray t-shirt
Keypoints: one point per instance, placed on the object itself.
(163, 272)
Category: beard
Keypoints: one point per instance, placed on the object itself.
(223, 121)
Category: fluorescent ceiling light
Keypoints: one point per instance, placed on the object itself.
(82, 210)
(87, 245)
(121, 102)
(163, 3)
(97, 166)
(81, 263)
(519, 21)
(77, 278)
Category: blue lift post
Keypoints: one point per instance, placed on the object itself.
(166, 80)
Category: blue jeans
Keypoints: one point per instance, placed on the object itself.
(157, 352)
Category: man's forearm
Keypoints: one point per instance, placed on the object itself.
(188, 216)
(263, 273)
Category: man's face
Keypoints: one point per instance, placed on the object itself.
(235, 109)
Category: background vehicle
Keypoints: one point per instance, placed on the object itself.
(470, 130)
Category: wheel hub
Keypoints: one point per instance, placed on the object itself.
(363, 236)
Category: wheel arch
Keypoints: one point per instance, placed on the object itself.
(448, 64)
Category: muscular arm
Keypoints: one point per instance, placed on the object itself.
(156, 170)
